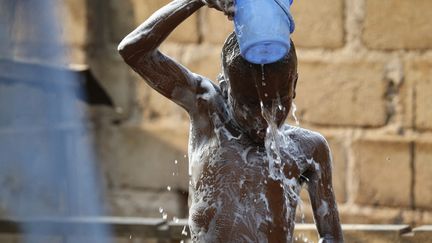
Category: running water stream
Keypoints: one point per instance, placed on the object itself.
(275, 144)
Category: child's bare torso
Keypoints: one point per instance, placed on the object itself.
(243, 190)
(238, 195)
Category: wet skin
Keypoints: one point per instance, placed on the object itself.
(237, 196)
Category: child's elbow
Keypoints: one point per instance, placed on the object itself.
(123, 47)
(132, 48)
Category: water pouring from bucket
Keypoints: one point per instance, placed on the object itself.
(263, 29)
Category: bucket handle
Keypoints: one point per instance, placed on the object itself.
(288, 14)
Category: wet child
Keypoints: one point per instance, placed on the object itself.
(247, 167)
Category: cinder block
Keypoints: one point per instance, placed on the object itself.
(356, 233)
(339, 166)
(423, 174)
(156, 106)
(319, 24)
(417, 92)
(372, 215)
(186, 32)
(146, 158)
(374, 233)
(147, 203)
(204, 60)
(398, 24)
(426, 218)
(407, 100)
(215, 26)
(120, 20)
(342, 93)
(383, 168)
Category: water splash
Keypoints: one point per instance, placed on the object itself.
(293, 113)
(275, 142)
(184, 231)
(302, 238)
(163, 213)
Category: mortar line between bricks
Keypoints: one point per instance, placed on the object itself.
(199, 25)
(390, 95)
(413, 172)
(345, 23)
(414, 107)
(350, 183)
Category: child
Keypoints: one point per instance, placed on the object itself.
(246, 165)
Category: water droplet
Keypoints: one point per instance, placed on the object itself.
(263, 84)
(184, 232)
(175, 219)
(169, 188)
(164, 216)
(185, 156)
(130, 237)
(265, 95)
(161, 210)
(175, 162)
(173, 173)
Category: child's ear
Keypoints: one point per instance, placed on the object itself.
(224, 88)
(223, 85)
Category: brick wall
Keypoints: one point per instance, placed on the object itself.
(365, 82)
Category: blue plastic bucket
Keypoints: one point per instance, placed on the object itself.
(263, 29)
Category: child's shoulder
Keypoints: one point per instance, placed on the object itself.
(308, 139)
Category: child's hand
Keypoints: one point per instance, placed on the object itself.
(226, 6)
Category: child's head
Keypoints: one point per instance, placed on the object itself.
(246, 85)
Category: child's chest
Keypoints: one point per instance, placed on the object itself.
(236, 160)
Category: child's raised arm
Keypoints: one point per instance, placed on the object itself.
(139, 49)
(321, 194)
